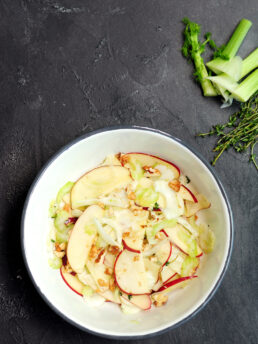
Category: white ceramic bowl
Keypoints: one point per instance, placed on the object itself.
(71, 162)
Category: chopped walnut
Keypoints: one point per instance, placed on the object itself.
(59, 254)
(126, 234)
(113, 250)
(124, 159)
(102, 283)
(118, 156)
(160, 299)
(68, 268)
(60, 247)
(97, 260)
(112, 284)
(151, 171)
(108, 271)
(131, 195)
(135, 258)
(174, 185)
(93, 252)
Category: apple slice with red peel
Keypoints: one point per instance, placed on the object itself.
(192, 208)
(149, 160)
(168, 286)
(97, 182)
(110, 296)
(130, 274)
(81, 240)
(164, 252)
(141, 301)
(182, 239)
(72, 281)
(174, 277)
(133, 242)
(157, 285)
(187, 194)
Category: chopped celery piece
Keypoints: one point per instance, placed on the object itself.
(163, 224)
(236, 39)
(190, 242)
(146, 197)
(206, 239)
(189, 266)
(246, 88)
(60, 219)
(87, 291)
(55, 262)
(250, 63)
(52, 209)
(136, 169)
(61, 237)
(63, 191)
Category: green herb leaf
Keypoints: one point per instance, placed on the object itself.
(156, 206)
(130, 296)
(167, 263)
(52, 240)
(187, 179)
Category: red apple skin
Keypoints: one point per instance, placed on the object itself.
(200, 255)
(68, 283)
(153, 156)
(118, 283)
(163, 231)
(126, 247)
(170, 252)
(170, 284)
(193, 196)
(170, 278)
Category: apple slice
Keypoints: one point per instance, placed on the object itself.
(192, 208)
(187, 194)
(80, 241)
(72, 281)
(181, 238)
(98, 272)
(149, 160)
(111, 296)
(157, 285)
(130, 274)
(167, 273)
(133, 241)
(141, 301)
(152, 269)
(98, 182)
(168, 286)
(164, 252)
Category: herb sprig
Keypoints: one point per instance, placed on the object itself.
(240, 132)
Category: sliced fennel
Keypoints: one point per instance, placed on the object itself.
(187, 225)
(146, 197)
(112, 223)
(136, 169)
(232, 68)
(249, 63)
(224, 81)
(106, 237)
(152, 231)
(247, 87)
(189, 266)
(60, 219)
(87, 291)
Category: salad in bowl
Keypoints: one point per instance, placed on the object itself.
(129, 231)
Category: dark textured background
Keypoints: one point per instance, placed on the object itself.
(68, 67)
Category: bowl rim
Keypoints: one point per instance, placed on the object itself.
(140, 128)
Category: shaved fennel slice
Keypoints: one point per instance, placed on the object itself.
(224, 81)
(115, 226)
(232, 68)
(105, 236)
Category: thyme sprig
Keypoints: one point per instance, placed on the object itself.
(240, 132)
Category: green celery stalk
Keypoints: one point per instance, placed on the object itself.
(236, 39)
(230, 50)
(249, 63)
(247, 87)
